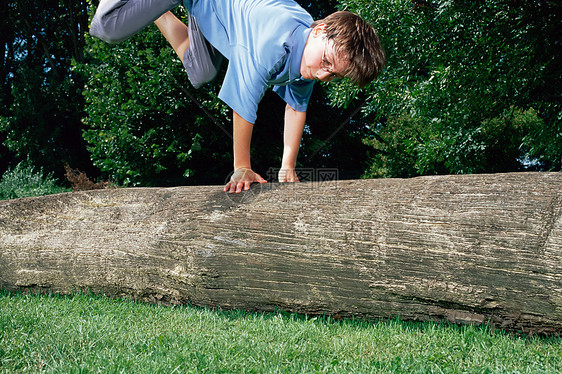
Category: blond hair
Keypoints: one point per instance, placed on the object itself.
(357, 41)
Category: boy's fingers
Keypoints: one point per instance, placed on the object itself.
(239, 187)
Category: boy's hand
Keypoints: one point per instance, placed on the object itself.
(242, 178)
(287, 175)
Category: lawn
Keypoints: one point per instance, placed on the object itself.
(87, 333)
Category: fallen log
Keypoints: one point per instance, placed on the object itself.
(472, 248)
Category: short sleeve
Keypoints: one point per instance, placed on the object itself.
(296, 94)
(244, 84)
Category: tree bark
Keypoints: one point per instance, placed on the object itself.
(472, 248)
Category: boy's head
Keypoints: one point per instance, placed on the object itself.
(356, 43)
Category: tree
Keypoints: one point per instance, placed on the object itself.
(463, 248)
(40, 98)
(470, 87)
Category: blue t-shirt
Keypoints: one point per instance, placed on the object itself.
(264, 42)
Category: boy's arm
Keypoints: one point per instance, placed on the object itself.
(243, 175)
(294, 126)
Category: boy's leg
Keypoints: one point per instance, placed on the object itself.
(175, 32)
(117, 20)
(200, 59)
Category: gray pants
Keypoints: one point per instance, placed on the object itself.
(117, 20)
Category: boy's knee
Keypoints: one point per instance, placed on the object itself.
(117, 20)
(103, 31)
(201, 69)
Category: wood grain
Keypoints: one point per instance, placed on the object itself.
(471, 248)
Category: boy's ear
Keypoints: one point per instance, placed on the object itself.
(319, 30)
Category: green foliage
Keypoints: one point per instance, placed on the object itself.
(24, 180)
(470, 87)
(85, 333)
(144, 125)
(409, 146)
(40, 101)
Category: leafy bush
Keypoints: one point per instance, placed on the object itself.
(410, 145)
(24, 181)
(145, 125)
(470, 87)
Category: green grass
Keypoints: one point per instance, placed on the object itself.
(86, 333)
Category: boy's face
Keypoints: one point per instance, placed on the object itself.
(319, 59)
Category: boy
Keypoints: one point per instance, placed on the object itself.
(267, 42)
